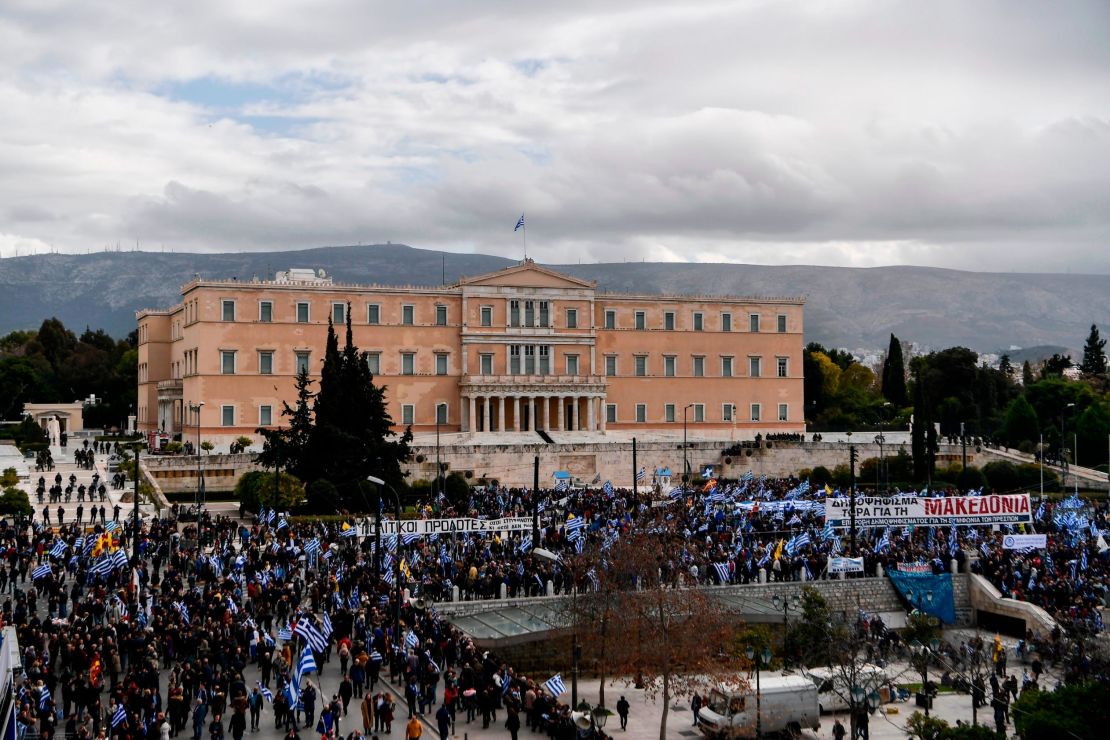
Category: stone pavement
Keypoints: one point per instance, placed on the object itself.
(63, 464)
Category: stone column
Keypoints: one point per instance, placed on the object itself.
(574, 413)
(516, 413)
(532, 413)
(489, 413)
(547, 413)
(590, 417)
(500, 413)
(601, 419)
(562, 412)
(471, 419)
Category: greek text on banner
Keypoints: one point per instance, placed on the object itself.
(1024, 541)
(921, 511)
(845, 565)
(455, 526)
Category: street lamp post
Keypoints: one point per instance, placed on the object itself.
(879, 440)
(397, 560)
(685, 446)
(963, 463)
(852, 494)
(195, 408)
(759, 659)
(921, 653)
(787, 605)
(1063, 447)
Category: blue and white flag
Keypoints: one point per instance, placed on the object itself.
(311, 635)
(285, 634)
(884, 541)
(411, 639)
(59, 549)
(722, 572)
(312, 547)
(282, 523)
(266, 693)
(120, 716)
(519, 224)
(182, 610)
(555, 685)
(44, 698)
(325, 624)
(307, 663)
(607, 487)
(41, 572)
(641, 474)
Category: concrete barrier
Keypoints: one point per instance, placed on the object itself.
(985, 597)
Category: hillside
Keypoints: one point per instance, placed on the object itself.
(850, 307)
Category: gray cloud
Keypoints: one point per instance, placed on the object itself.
(958, 134)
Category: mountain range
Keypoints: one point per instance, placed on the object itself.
(846, 306)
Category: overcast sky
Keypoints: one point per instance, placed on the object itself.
(851, 132)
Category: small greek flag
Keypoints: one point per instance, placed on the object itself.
(641, 474)
(266, 693)
(111, 526)
(412, 640)
(119, 559)
(59, 549)
(312, 547)
(608, 488)
(575, 523)
(120, 716)
(408, 539)
(308, 662)
(182, 610)
(311, 635)
(326, 624)
(270, 515)
(555, 685)
(722, 572)
(519, 224)
(44, 698)
(41, 572)
(282, 523)
(525, 545)
(285, 634)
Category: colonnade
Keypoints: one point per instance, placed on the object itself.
(528, 413)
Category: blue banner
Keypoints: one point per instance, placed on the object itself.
(942, 605)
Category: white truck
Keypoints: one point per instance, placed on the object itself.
(832, 686)
(786, 704)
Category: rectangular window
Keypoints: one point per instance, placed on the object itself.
(726, 367)
(726, 412)
(302, 312)
(529, 313)
(408, 413)
(641, 320)
(485, 364)
(753, 323)
(754, 366)
(572, 364)
(265, 363)
(514, 313)
(441, 413)
(514, 359)
(783, 367)
(529, 359)
(699, 323)
(228, 310)
(668, 320)
(545, 314)
(572, 318)
(265, 416)
(408, 313)
(486, 316)
(699, 367)
(441, 363)
(408, 363)
(641, 413)
(265, 311)
(374, 362)
(227, 416)
(668, 412)
(610, 413)
(782, 323)
(755, 412)
(302, 362)
(339, 313)
(726, 322)
(669, 363)
(545, 360)
(611, 365)
(610, 319)
(783, 412)
(641, 366)
(227, 362)
(373, 314)
(441, 315)
(699, 412)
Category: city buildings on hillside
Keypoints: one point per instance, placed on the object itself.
(519, 350)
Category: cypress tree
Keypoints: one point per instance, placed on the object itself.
(287, 447)
(894, 374)
(1094, 354)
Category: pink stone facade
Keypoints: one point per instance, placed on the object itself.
(517, 350)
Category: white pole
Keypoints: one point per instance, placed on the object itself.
(1075, 459)
(1041, 458)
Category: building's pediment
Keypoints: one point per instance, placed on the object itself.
(527, 275)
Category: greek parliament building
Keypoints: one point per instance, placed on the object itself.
(524, 349)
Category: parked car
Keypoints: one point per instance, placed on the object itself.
(786, 704)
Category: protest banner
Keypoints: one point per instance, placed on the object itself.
(845, 565)
(1024, 541)
(924, 511)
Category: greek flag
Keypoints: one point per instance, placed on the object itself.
(102, 568)
(592, 575)
(59, 549)
(41, 572)
(118, 559)
(574, 523)
(801, 541)
(232, 606)
(111, 526)
(641, 474)
(282, 523)
(44, 698)
(120, 716)
(270, 515)
(412, 640)
(291, 694)
(836, 547)
(349, 532)
(307, 663)
(525, 545)
(285, 634)
(311, 635)
(828, 532)
(387, 576)
(722, 572)
(312, 547)
(884, 541)
(326, 624)
(79, 544)
(607, 488)
(555, 685)
(266, 693)
(1083, 561)
(182, 610)
(408, 539)
(519, 224)
(562, 485)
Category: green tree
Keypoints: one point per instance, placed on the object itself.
(1027, 374)
(1006, 367)
(256, 489)
(1055, 366)
(352, 435)
(894, 374)
(1094, 354)
(1093, 428)
(9, 478)
(1072, 711)
(287, 447)
(1020, 423)
(15, 502)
